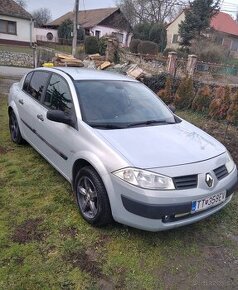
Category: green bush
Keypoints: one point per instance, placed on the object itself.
(142, 31)
(158, 34)
(91, 45)
(134, 45)
(157, 82)
(185, 94)
(102, 45)
(202, 100)
(148, 47)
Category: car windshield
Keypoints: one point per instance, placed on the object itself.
(120, 104)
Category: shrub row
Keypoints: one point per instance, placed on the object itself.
(143, 47)
(217, 102)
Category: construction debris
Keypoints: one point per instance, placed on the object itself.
(67, 60)
(135, 72)
(105, 65)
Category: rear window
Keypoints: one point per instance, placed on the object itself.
(37, 84)
(27, 82)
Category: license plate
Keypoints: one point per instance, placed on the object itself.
(208, 202)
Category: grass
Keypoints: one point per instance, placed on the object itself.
(16, 48)
(45, 244)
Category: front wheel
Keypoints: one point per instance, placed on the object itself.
(14, 129)
(92, 197)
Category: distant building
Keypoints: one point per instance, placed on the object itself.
(225, 27)
(100, 22)
(16, 24)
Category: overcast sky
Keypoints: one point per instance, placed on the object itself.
(60, 7)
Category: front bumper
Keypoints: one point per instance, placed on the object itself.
(156, 211)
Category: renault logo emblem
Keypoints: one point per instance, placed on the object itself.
(209, 180)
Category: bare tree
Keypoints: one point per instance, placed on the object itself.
(22, 3)
(41, 16)
(153, 11)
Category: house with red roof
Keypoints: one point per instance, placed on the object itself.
(225, 27)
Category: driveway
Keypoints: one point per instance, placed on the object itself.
(10, 75)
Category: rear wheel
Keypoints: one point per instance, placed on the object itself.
(14, 129)
(92, 197)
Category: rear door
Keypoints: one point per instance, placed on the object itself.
(29, 105)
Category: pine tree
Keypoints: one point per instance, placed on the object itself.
(185, 94)
(202, 100)
(197, 19)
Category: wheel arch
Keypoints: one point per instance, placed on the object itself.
(86, 159)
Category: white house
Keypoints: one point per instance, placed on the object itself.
(46, 35)
(16, 24)
(100, 22)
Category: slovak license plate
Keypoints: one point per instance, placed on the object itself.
(207, 202)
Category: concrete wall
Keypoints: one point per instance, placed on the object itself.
(108, 31)
(172, 30)
(41, 34)
(24, 31)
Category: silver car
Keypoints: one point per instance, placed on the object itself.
(127, 156)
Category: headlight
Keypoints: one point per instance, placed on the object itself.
(145, 179)
(230, 164)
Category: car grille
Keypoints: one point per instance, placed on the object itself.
(186, 182)
(221, 172)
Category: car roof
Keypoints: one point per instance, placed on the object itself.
(92, 74)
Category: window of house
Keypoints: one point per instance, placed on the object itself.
(175, 38)
(87, 31)
(49, 36)
(58, 96)
(37, 84)
(97, 33)
(9, 27)
(119, 36)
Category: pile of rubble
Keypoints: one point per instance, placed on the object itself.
(96, 61)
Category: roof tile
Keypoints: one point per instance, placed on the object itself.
(11, 8)
(87, 18)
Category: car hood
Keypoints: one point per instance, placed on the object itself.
(163, 145)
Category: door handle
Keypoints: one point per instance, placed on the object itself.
(21, 101)
(40, 117)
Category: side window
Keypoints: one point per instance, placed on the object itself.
(58, 96)
(38, 84)
(27, 82)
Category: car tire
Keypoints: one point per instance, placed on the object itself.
(15, 129)
(92, 198)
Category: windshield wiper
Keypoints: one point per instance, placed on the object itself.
(105, 126)
(149, 122)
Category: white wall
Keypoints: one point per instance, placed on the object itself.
(172, 29)
(107, 31)
(24, 31)
(40, 34)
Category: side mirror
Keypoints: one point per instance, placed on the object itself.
(59, 117)
(172, 108)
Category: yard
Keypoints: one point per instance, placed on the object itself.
(45, 244)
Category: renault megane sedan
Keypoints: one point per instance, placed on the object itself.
(127, 156)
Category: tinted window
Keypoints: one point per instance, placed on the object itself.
(121, 103)
(27, 81)
(38, 84)
(58, 95)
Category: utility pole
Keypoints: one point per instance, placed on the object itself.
(75, 32)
